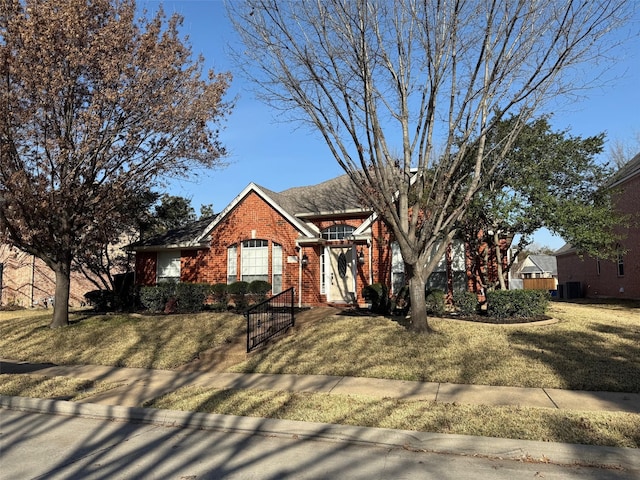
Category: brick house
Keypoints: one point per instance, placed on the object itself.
(318, 239)
(27, 281)
(592, 277)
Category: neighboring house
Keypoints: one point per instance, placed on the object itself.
(592, 277)
(318, 239)
(538, 266)
(27, 282)
(537, 272)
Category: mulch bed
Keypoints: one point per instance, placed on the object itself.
(364, 312)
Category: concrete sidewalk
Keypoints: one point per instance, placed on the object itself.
(139, 385)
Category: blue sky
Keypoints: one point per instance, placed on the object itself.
(280, 155)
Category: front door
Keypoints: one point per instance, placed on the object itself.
(342, 285)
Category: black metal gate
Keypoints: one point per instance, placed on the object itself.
(269, 318)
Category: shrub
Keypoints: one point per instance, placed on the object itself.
(435, 302)
(218, 293)
(101, 300)
(156, 297)
(377, 295)
(517, 303)
(238, 288)
(258, 289)
(191, 296)
(466, 302)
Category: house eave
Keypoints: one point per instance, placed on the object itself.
(351, 213)
(175, 246)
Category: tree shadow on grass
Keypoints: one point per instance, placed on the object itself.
(586, 360)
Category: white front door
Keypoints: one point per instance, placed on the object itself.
(342, 284)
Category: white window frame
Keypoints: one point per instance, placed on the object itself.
(168, 266)
(232, 263)
(254, 260)
(276, 268)
(397, 267)
(339, 231)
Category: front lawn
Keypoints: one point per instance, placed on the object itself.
(591, 347)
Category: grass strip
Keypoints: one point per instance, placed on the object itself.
(614, 429)
(61, 388)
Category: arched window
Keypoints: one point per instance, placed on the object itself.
(337, 232)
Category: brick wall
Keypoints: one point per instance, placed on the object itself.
(28, 282)
(253, 218)
(605, 281)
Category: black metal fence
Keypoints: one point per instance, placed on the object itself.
(269, 318)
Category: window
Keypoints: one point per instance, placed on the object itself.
(168, 268)
(337, 232)
(598, 266)
(276, 267)
(323, 272)
(397, 268)
(620, 265)
(232, 263)
(255, 260)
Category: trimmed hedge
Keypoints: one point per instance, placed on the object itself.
(187, 297)
(466, 302)
(259, 287)
(190, 297)
(238, 288)
(517, 303)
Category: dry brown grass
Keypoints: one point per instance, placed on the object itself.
(591, 347)
(39, 386)
(591, 428)
(161, 341)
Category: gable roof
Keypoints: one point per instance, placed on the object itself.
(187, 236)
(541, 263)
(267, 196)
(335, 196)
(298, 205)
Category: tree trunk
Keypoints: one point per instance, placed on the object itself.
(61, 299)
(500, 270)
(417, 285)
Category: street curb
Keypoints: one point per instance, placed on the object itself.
(464, 445)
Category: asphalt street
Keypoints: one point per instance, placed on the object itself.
(45, 446)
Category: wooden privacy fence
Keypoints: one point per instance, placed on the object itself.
(539, 284)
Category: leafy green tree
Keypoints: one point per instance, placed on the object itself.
(97, 106)
(172, 212)
(552, 179)
(206, 210)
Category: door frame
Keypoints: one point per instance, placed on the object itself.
(350, 295)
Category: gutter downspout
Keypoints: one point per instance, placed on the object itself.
(299, 274)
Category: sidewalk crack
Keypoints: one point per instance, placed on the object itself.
(336, 384)
(550, 399)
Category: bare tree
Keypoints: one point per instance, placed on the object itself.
(95, 108)
(402, 91)
(621, 151)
